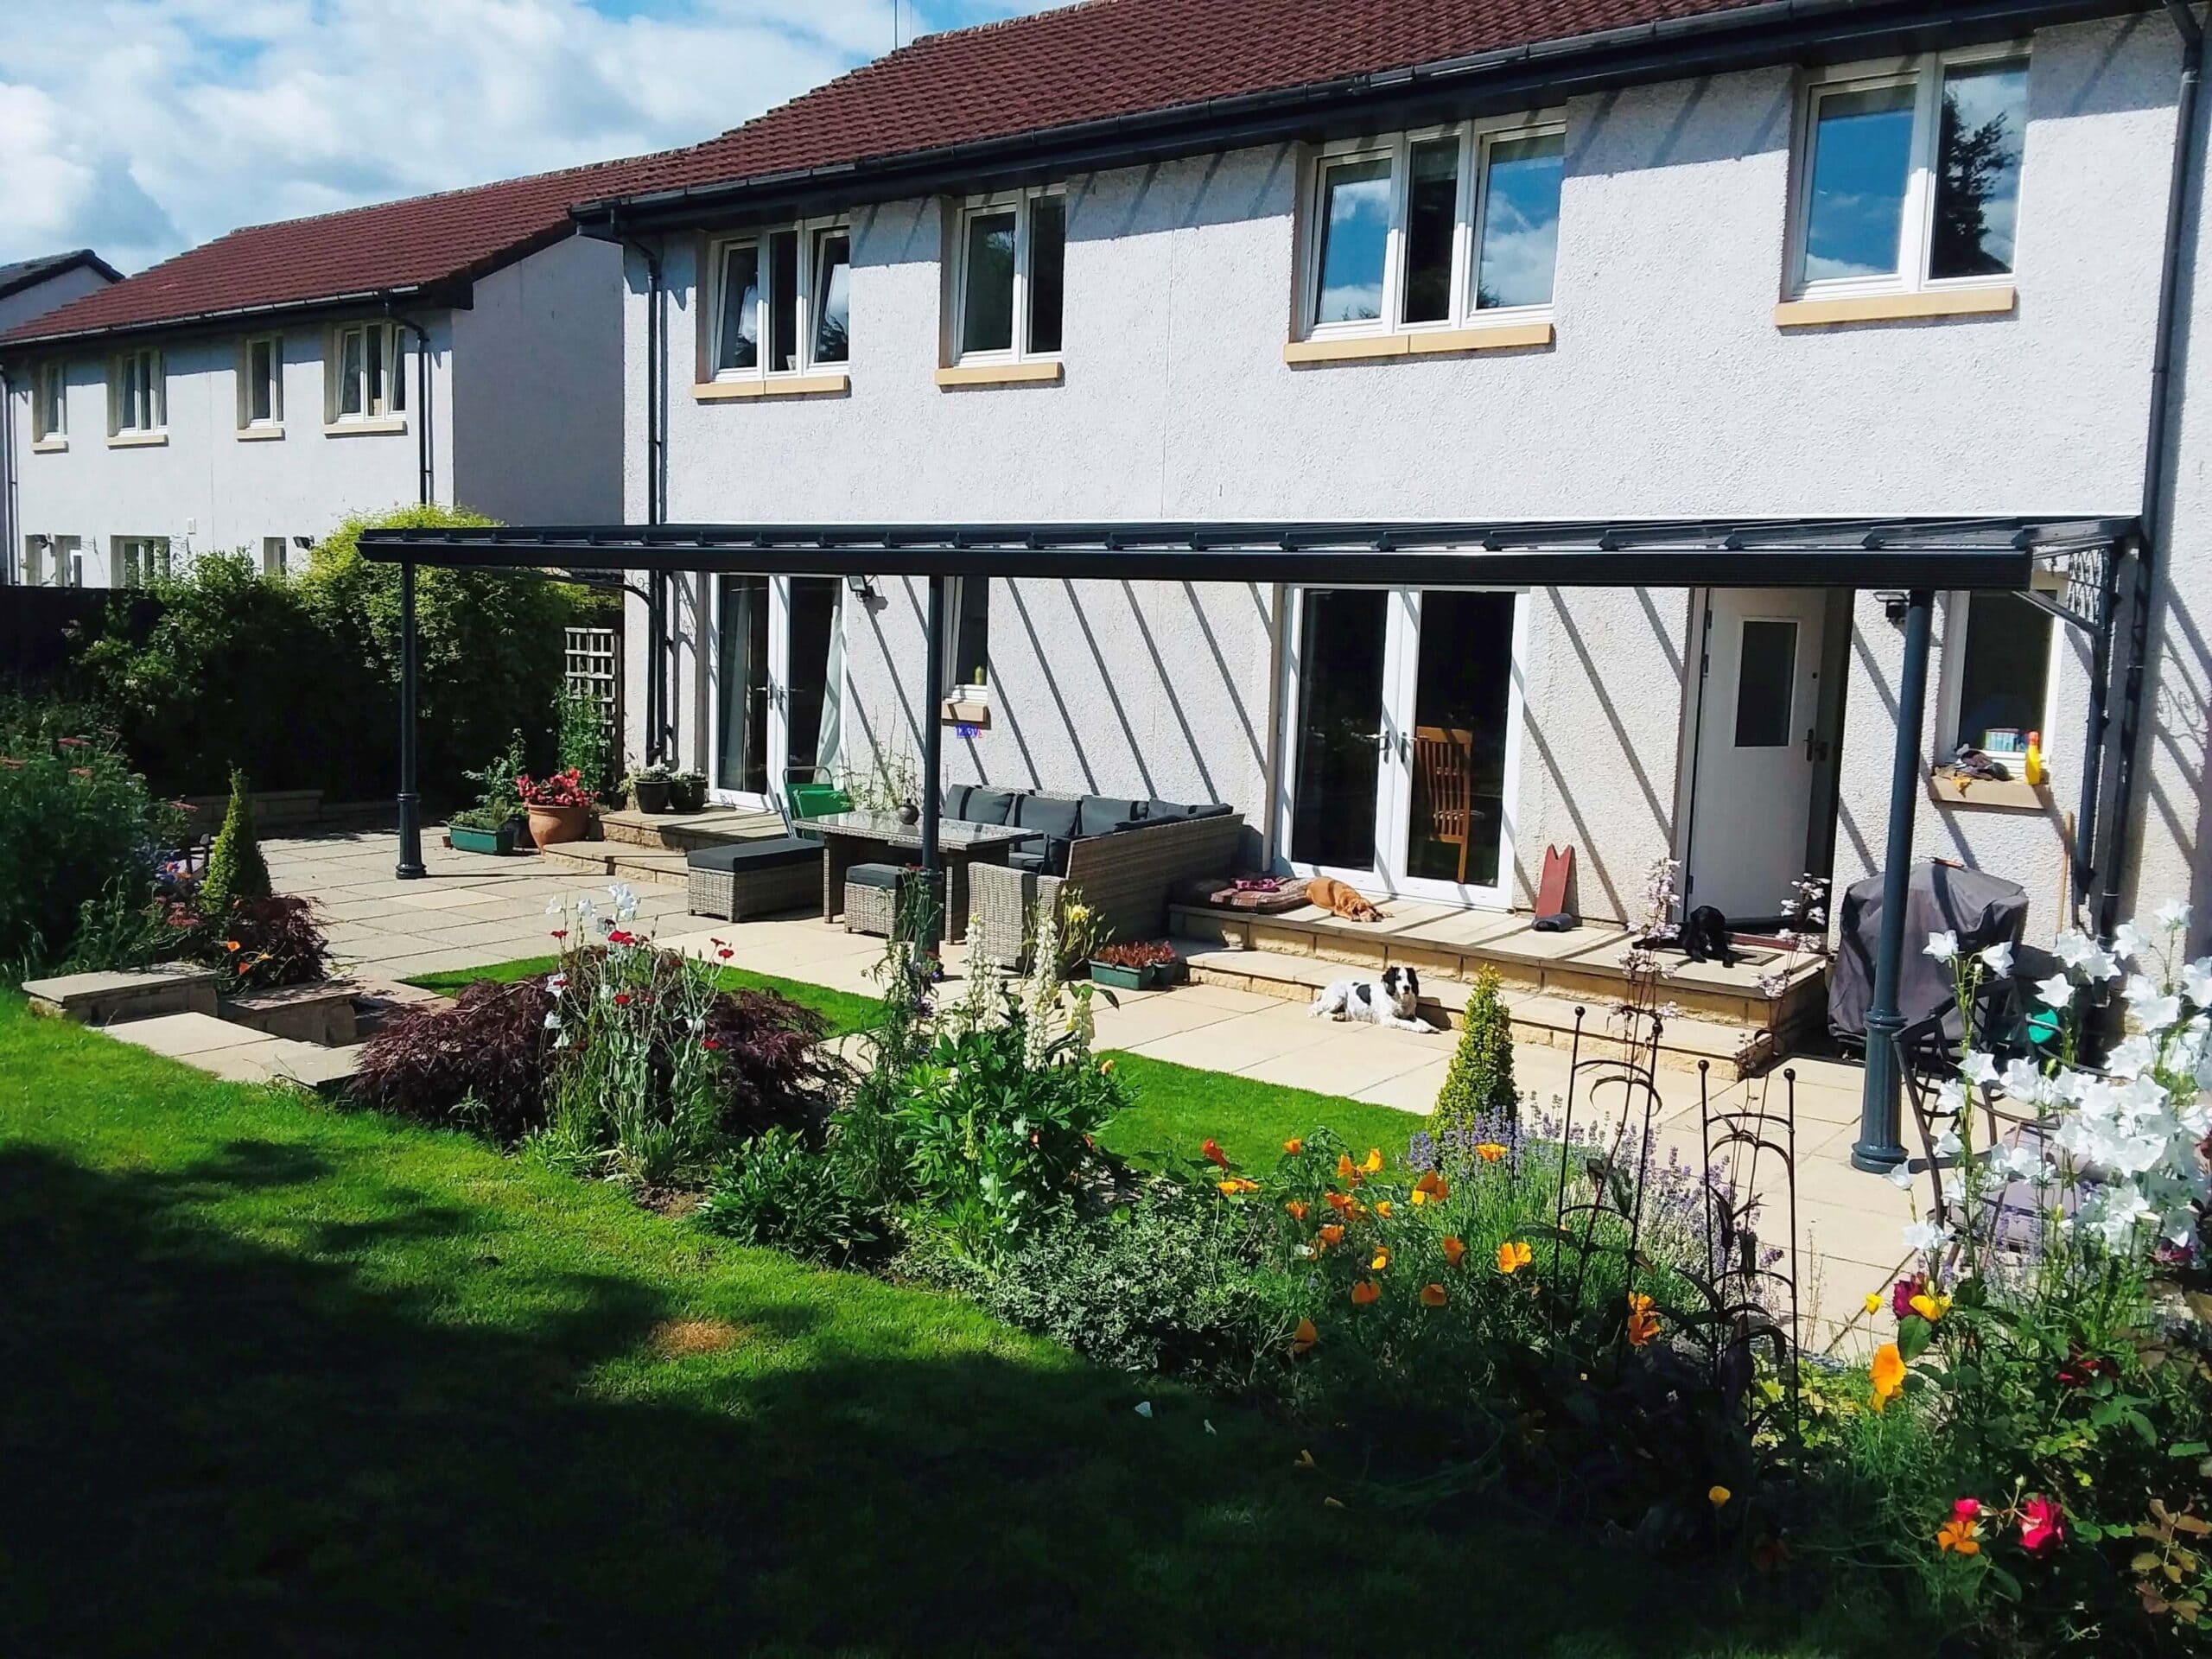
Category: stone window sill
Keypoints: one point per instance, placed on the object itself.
(259, 434)
(793, 386)
(1989, 795)
(50, 447)
(137, 440)
(365, 429)
(1896, 307)
(1442, 342)
(977, 715)
(999, 374)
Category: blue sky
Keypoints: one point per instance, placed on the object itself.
(141, 127)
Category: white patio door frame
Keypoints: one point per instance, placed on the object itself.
(779, 699)
(1394, 784)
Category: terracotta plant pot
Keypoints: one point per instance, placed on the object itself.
(552, 825)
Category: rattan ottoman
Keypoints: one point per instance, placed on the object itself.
(755, 878)
(871, 899)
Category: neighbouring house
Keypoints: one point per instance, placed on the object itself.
(1288, 260)
(462, 348)
(29, 288)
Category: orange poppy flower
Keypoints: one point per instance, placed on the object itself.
(1453, 1249)
(1365, 1292)
(1432, 1296)
(1642, 1323)
(231, 945)
(1959, 1533)
(1236, 1185)
(1213, 1153)
(1297, 1208)
(1887, 1374)
(1490, 1152)
(1331, 1233)
(1381, 1259)
(1432, 1185)
(1304, 1337)
(1513, 1256)
(1346, 1168)
(1382, 1209)
(1340, 1203)
(1294, 1146)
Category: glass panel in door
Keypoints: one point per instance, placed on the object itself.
(1343, 658)
(1462, 709)
(813, 613)
(742, 687)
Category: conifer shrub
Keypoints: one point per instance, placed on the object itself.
(1478, 1088)
(236, 869)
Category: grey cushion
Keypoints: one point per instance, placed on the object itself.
(988, 805)
(1157, 810)
(954, 801)
(874, 875)
(1096, 815)
(1048, 815)
(767, 854)
(1032, 863)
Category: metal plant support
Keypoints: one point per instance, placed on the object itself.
(1746, 1148)
(1620, 1092)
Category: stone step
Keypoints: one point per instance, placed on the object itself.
(686, 832)
(322, 1013)
(239, 1054)
(1733, 1051)
(103, 999)
(613, 861)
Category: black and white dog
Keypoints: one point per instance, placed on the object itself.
(1390, 1000)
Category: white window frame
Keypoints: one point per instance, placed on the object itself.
(1956, 621)
(810, 233)
(1021, 202)
(133, 559)
(276, 554)
(273, 422)
(123, 370)
(35, 550)
(1917, 223)
(50, 404)
(954, 588)
(1476, 140)
(388, 416)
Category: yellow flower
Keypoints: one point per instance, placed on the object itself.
(1432, 1296)
(1381, 1259)
(1490, 1152)
(1297, 1208)
(1304, 1337)
(1419, 1197)
(1235, 1185)
(1959, 1533)
(1373, 1162)
(1887, 1374)
(1513, 1256)
(1642, 1323)
(1873, 1302)
(1294, 1146)
(1718, 1496)
(1105, 1066)
(1346, 1170)
(1365, 1292)
(1382, 1209)
(1453, 1249)
(1931, 1308)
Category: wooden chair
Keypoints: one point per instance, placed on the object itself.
(1443, 762)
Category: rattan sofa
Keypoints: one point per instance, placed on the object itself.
(1123, 874)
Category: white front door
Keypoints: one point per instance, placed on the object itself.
(1402, 761)
(770, 672)
(1757, 741)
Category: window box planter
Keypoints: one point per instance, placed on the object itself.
(650, 794)
(552, 825)
(1120, 979)
(500, 842)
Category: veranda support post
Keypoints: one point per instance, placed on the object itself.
(410, 823)
(933, 755)
(1879, 1149)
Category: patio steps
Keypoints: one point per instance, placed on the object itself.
(616, 861)
(686, 832)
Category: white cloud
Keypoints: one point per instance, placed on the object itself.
(142, 127)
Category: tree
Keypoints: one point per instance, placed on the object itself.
(236, 869)
(1975, 165)
(1478, 1090)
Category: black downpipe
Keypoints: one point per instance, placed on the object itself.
(10, 541)
(411, 867)
(2181, 179)
(655, 472)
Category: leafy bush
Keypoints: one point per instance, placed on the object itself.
(479, 1065)
(1479, 1084)
(77, 830)
(257, 943)
(587, 740)
(499, 789)
(778, 1191)
(236, 869)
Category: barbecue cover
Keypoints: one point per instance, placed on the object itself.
(1980, 908)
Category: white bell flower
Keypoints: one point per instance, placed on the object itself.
(2173, 915)
(1926, 1237)
(1998, 958)
(2056, 993)
(1901, 1177)
(2132, 1058)
(2196, 982)
(1944, 946)
(2129, 941)
(1948, 1144)
(2099, 967)
(1954, 1187)
(1979, 1068)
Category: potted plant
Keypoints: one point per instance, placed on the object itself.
(648, 788)
(1138, 966)
(560, 806)
(494, 824)
(687, 791)
(977, 694)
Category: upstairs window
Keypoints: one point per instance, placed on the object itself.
(782, 303)
(1446, 229)
(366, 373)
(135, 393)
(1911, 179)
(261, 382)
(50, 403)
(1012, 276)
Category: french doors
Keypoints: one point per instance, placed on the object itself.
(1405, 742)
(771, 673)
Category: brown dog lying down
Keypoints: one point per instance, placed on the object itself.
(1333, 895)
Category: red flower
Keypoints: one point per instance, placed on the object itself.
(2080, 1369)
(711, 1042)
(1966, 1509)
(560, 932)
(621, 935)
(1214, 1154)
(622, 999)
(1903, 1291)
(2042, 1527)
(725, 953)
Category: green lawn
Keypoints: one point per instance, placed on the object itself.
(1176, 1107)
(845, 1011)
(287, 1378)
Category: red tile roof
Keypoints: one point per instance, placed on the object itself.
(1106, 58)
(392, 244)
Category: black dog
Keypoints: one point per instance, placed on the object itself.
(1705, 937)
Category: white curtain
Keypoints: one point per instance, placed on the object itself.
(831, 733)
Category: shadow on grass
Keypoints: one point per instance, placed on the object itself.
(214, 1442)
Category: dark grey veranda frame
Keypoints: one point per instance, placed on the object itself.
(1909, 560)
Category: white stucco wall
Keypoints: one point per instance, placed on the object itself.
(1669, 391)
(42, 297)
(538, 367)
(206, 488)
